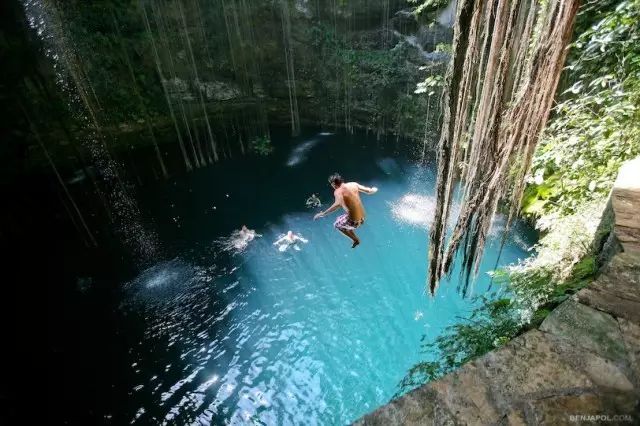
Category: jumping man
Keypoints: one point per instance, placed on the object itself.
(348, 197)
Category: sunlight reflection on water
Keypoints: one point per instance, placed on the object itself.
(418, 210)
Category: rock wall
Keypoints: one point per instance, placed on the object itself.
(223, 72)
(345, 64)
(582, 366)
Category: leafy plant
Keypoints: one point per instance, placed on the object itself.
(373, 85)
(429, 85)
(444, 47)
(428, 6)
(596, 127)
(261, 145)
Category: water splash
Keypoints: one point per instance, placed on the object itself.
(237, 242)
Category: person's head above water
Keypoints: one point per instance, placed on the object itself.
(289, 234)
(244, 228)
(335, 180)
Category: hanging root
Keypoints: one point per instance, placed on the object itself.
(508, 57)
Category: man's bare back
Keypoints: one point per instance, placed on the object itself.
(347, 196)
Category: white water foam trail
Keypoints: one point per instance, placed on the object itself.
(300, 153)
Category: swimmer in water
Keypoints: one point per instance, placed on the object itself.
(247, 234)
(313, 201)
(289, 239)
(240, 239)
(347, 196)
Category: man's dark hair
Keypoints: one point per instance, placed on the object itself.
(336, 179)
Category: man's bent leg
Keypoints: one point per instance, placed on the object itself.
(342, 224)
(351, 235)
(346, 233)
(354, 237)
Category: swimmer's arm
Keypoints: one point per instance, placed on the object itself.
(279, 240)
(366, 189)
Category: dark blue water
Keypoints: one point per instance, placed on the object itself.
(319, 335)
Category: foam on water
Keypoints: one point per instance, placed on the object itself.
(300, 153)
(236, 243)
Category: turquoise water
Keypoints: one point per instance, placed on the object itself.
(316, 336)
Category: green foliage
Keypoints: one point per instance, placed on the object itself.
(107, 38)
(360, 79)
(596, 127)
(428, 6)
(444, 47)
(429, 85)
(261, 145)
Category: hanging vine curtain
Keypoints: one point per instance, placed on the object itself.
(507, 59)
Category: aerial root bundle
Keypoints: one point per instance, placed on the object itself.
(507, 60)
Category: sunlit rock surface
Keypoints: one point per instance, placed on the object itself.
(625, 198)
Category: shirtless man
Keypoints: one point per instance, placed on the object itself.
(348, 197)
(240, 239)
(247, 234)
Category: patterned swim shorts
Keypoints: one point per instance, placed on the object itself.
(345, 224)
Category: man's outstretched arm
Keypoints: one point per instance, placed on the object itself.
(331, 209)
(366, 189)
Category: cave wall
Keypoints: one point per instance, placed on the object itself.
(239, 67)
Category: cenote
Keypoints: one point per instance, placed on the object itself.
(322, 335)
(148, 132)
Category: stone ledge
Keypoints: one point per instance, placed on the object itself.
(631, 337)
(609, 302)
(625, 198)
(536, 378)
(617, 289)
